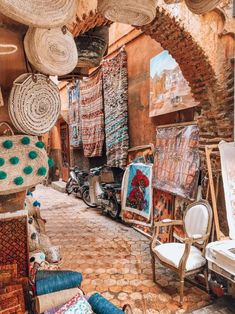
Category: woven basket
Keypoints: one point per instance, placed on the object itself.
(92, 46)
(34, 104)
(201, 6)
(40, 13)
(16, 160)
(133, 12)
(51, 51)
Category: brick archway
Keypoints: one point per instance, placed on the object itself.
(215, 108)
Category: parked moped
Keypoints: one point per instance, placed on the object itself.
(77, 181)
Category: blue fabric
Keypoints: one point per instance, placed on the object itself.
(37, 204)
(48, 281)
(100, 305)
(29, 193)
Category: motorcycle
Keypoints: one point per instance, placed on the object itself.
(106, 195)
(76, 182)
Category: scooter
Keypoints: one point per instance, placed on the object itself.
(77, 181)
(105, 195)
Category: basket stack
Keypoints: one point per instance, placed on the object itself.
(133, 12)
(201, 6)
(34, 104)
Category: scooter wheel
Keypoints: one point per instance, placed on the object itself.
(69, 188)
(115, 209)
(86, 198)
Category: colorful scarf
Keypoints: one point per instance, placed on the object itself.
(92, 116)
(75, 134)
(115, 86)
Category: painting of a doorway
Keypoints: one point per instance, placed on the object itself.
(169, 90)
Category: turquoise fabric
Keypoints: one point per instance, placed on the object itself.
(48, 281)
(100, 305)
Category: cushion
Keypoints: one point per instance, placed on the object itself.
(171, 254)
(196, 220)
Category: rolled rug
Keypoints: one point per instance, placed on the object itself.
(100, 305)
(49, 301)
(49, 281)
(201, 6)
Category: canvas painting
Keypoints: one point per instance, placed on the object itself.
(177, 160)
(180, 207)
(137, 187)
(169, 90)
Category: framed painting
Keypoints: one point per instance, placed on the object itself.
(169, 90)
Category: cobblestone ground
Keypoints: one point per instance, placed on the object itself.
(113, 258)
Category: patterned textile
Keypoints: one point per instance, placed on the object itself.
(227, 152)
(137, 189)
(177, 160)
(92, 116)
(115, 85)
(77, 305)
(75, 134)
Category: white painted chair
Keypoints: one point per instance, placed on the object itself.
(185, 258)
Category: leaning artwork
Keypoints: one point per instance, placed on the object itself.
(169, 90)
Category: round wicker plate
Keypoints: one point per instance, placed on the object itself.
(51, 51)
(34, 104)
(40, 13)
(133, 12)
(201, 6)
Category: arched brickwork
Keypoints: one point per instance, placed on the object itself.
(215, 110)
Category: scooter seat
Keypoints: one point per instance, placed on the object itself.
(111, 186)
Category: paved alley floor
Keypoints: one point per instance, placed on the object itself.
(114, 259)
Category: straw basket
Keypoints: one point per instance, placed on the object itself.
(92, 46)
(23, 162)
(34, 104)
(51, 51)
(133, 12)
(40, 13)
(201, 6)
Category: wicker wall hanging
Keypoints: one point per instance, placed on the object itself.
(34, 104)
(23, 162)
(92, 46)
(201, 6)
(41, 13)
(51, 51)
(133, 12)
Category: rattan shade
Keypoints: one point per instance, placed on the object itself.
(201, 6)
(51, 51)
(40, 13)
(34, 104)
(133, 12)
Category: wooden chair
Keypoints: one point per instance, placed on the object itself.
(185, 258)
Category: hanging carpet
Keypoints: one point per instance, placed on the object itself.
(115, 86)
(75, 132)
(92, 116)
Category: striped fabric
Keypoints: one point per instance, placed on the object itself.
(115, 86)
(92, 115)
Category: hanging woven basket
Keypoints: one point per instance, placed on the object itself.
(23, 162)
(41, 13)
(133, 12)
(51, 51)
(201, 6)
(92, 46)
(34, 104)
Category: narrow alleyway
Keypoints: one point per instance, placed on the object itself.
(113, 258)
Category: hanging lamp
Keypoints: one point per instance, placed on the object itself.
(133, 12)
(201, 6)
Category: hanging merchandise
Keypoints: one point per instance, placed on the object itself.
(115, 89)
(201, 6)
(23, 162)
(75, 127)
(133, 12)
(92, 46)
(34, 104)
(43, 13)
(177, 160)
(51, 51)
(137, 194)
(92, 116)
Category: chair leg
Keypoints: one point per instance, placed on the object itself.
(181, 291)
(153, 268)
(205, 272)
